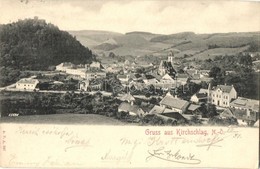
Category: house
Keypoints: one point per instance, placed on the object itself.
(199, 97)
(204, 73)
(174, 104)
(182, 78)
(245, 117)
(222, 95)
(133, 110)
(227, 113)
(27, 84)
(193, 109)
(245, 109)
(88, 85)
(159, 110)
(168, 79)
(146, 107)
(124, 79)
(127, 97)
(76, 72)
(64, 66)
(245, 104)
(166, 66)
(136, 77)
(113, 69)
(94, 74)
(149, 79)
(96, 65)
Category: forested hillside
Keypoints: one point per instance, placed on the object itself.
(33, 44)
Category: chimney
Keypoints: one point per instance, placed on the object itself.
(209, 88)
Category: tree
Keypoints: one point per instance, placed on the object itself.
(32, 44)
(111, 55)
(212, 110)
(245, 60)
(214, 72)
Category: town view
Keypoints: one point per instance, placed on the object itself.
(137, 78)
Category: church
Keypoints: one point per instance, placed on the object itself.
(166, 66)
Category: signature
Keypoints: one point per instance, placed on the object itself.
(173, 156)
(212, 142)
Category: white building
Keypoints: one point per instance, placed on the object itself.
(222, 95)
(64, 66)
(81, 72)
(94, 74)
(27, 84)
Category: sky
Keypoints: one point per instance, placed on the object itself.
(164, 16)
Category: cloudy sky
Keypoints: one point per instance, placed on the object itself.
(155, 16)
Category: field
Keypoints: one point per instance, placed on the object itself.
(87, 119)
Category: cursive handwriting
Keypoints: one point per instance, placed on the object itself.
(172, 156)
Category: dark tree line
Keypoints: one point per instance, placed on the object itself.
(244, 79)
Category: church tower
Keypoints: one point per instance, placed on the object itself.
(170, 57)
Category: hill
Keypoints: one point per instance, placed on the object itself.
(185, 43)
(92, 38)
(33, 44)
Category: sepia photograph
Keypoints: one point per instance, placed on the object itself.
(129, 84)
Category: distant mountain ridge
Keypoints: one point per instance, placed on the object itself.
(139, 43)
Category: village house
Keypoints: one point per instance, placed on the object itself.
(245, 104)
(149, 79)
(64, 66)
(136, 77)
(27, 84)
(128, 98)
(175, 104)
(168, 79)
(89, 85)
(146, 107)
(182, 78)
(87, 71)
(113, 69)
(124, 79)
(222, 95)
(94, 74)
(203, 73)
(76, 72)
(133, 110)
(226, 113)
(245, 110)
(96, 65)
(199, 97)
(159, 110)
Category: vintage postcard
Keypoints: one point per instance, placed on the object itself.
(129, 84)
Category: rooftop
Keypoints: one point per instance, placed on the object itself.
(160, 110)
(224, 88)
(127, 107)
(28, 80)
(174, 102)
(127, 97)
(246, 103)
